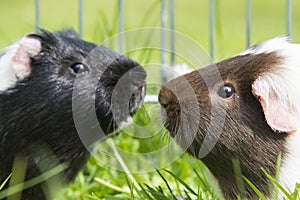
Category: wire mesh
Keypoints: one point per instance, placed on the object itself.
(171, 11)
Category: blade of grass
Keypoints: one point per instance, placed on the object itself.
(159, 194)
(187, 195)
(202, 182)
(255, 189)
(92, 197)
(199, 197)
(4, 182)
(296, 191)
(28, 184)
(122, 163)
(181, 181)
(147, 16)
(111, 186)
(144, 193)
(205, 185)
(278, 185)
(166, 182)
(131, 187)
(238, 177)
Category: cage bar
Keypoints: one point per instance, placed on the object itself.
(289, 18)
(164, 25)
(37, 14)
(81, 17)
(172, 32)
(121, 27)
(249, 23)
(212, 28)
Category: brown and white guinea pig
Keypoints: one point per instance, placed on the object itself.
(38, 99)
(247, 108)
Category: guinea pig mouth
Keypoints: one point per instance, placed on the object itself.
(136, 100)
(170, 110)
(172, 126)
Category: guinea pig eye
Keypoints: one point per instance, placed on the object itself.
(226, 91)
(79, 68)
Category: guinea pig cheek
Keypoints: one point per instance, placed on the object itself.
(27, 48)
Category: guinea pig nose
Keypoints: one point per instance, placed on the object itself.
(166, 97)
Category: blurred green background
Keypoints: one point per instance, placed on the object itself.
(100, 23)
(269, 20)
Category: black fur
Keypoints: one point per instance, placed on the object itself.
(37, 122)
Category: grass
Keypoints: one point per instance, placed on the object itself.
(123, 167)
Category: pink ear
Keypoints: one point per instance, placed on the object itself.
(27, 47)
(277, 105)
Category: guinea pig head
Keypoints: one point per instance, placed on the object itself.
(59, 95)
(243, 108)
(67, 86)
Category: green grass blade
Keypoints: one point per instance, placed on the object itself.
(278, 185)
(187, 195)
(157, 194)
(131, 186)
(295, 194)
(238, 177)
(255, 189)
(144, 193)
(202, 182)
(148, 13)
(4, 182)
(182, 182)
(167, 184)
(32, 182)
(92, 197)
(111, 186)
(206, 187)
(199, 197)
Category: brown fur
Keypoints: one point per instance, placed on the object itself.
(245, 135)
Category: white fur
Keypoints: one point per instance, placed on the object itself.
(276, 44)
(126, 123)
(176, 71)
(7, 72)
(290, 167)
(285, 82)
(181, 69)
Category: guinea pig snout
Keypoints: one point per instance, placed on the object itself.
(166, 97)
(136, 99)
(168, 101)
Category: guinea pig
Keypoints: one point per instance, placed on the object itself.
(50, 86)
(244, 108)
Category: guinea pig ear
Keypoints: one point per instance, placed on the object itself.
(278, 107)
(28, 47)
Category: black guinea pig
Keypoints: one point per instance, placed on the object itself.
(245, 108)
(52, 88)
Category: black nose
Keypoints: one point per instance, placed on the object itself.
(167, 98)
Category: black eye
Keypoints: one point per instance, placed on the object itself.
(79, 68)
(226, 91)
